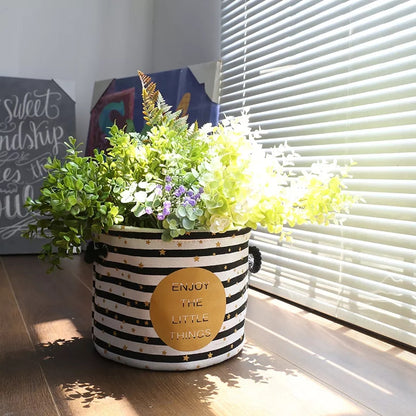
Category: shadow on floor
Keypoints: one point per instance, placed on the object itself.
(74, 367)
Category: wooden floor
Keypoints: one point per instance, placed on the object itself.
(293, 364)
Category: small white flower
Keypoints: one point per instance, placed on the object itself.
(140, 196)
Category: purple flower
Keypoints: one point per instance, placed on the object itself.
(168, 179)
(167, 204)
(148, 210)
(180, 191)
(160, 217)
(201, 190)
(168, 187)
(190, 193)
(189, 201)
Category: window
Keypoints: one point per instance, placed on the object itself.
(336, 79)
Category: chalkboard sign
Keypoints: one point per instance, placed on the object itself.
(36, 118)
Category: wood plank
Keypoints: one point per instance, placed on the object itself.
(23, 388)
(366, 369)
(288, 374)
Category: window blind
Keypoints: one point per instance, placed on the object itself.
(336, 80)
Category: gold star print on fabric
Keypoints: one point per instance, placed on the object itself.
(218, 244)
(141, 265)
(146, 339)
(185, 358)
(196, 258)
(147, 242)
(210, 355)
(179, 244)
(162, 252)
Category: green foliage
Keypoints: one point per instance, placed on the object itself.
(75, 202)
(178, 177)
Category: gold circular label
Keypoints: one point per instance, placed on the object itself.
(187, 308)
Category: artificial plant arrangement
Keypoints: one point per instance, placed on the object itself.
(178, 178)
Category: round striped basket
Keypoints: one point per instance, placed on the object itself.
(177, 305)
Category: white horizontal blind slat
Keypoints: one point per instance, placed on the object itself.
(336, 79)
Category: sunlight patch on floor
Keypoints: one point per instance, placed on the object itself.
(340, 368)
(84, 399)
(58, 330)
(284, 393)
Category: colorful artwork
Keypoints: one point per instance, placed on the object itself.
(121, 103)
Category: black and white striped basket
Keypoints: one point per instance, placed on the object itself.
(133, 263)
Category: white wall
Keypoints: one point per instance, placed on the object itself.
(84, 41)
(186, 32)
(76, 40)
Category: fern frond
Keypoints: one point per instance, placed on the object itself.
(150, 96)
(155, 110)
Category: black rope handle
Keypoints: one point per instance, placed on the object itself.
(94, 251)
(254, 259)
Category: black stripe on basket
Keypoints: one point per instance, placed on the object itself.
(124, 283)
(147, 322)
(236, 296)
(184, 252)
(150, 288)
(121, 317)
(194, 235)
(229, 331)
(151, 340)
(167, 358)
(235, 280)
(155, 271)
(122, 300)
(235, 313)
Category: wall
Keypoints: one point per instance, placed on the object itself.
(84, 41)
(78, 41)
(185, 32)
